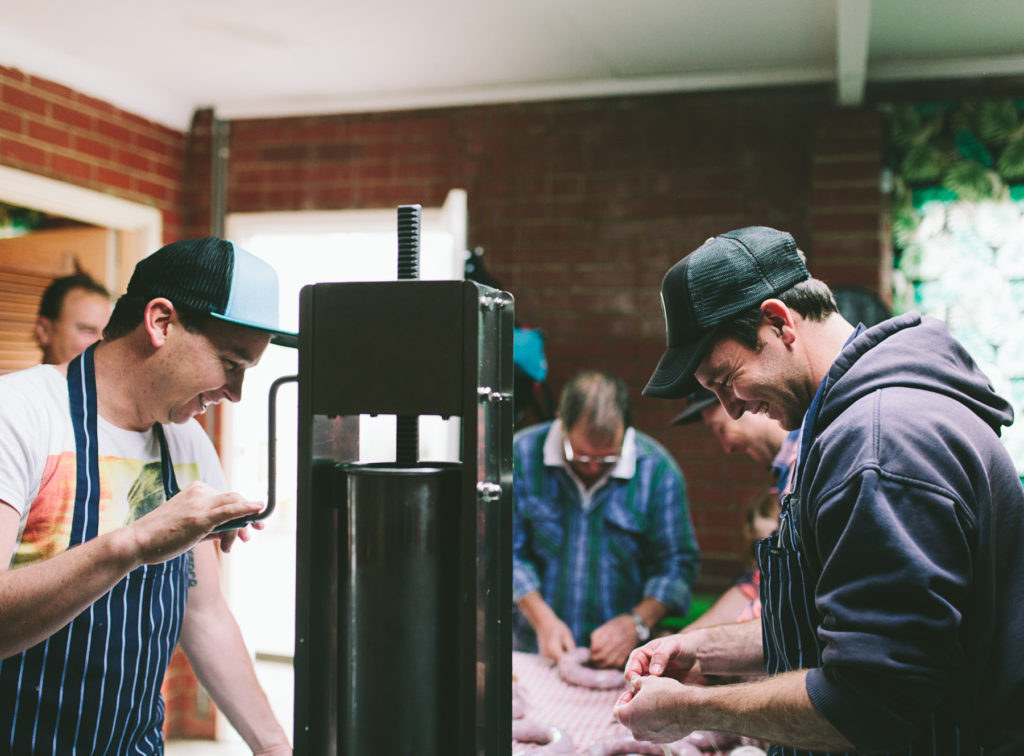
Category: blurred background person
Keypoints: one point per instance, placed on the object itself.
(72, 313)
(603, 546)
(765, 441)
(757, 436)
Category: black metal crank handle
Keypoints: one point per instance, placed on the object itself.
(241, 522)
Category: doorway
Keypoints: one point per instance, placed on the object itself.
(124, 233)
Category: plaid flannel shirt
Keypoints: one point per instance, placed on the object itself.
(634, 540)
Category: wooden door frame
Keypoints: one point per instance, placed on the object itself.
(141, 225)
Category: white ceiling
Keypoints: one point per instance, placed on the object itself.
(258, 58)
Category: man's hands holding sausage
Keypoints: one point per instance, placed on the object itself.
(672, 656)
(656, 705)
(660, 709)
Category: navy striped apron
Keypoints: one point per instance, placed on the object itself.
(790, 618)
(94, 686)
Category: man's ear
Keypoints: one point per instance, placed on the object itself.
(43, 332)
(157, 318)
(780, 319)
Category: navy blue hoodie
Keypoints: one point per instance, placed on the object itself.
(912, 528)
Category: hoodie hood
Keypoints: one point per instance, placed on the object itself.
(909, 360)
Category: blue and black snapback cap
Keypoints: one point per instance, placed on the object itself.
(214, 276)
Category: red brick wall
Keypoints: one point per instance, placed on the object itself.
(53, 131)
(188, 709)
(849, 213)
(581, 206)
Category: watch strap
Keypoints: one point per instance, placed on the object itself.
(642, 631)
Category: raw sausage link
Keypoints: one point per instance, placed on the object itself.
(528, 731)
(623, 744)
(572, 668)
(710, 740)
(559, 745)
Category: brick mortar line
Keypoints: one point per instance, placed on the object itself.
(119, 117)
(93, 161)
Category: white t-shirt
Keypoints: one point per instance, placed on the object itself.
(38, 466)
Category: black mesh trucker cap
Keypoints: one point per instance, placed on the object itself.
(696, 402)
(724, 276)
(214, 276)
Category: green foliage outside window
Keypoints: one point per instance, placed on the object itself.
(958, 232)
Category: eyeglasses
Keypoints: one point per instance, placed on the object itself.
(583, 459)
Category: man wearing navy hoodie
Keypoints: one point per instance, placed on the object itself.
(892, 617)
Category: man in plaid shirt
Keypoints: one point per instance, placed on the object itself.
(603, 546)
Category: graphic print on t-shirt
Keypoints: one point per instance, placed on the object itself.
(130, 488)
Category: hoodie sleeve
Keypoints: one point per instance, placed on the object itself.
(895, 566)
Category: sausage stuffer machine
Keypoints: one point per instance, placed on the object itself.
(403, 570)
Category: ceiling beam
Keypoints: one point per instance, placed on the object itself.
(853, 22)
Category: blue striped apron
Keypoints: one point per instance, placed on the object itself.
(790, 618)
(94, 686)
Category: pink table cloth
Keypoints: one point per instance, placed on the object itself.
(583, 714)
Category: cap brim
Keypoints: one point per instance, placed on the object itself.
(281, 338)
(693, 411)
(285, 339)
(673, 378)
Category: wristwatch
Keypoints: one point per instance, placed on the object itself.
(642, 631)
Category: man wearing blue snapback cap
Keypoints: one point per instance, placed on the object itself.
(109, 495)
(891, 615)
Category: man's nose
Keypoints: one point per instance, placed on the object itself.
(233, 386)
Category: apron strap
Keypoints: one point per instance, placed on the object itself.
(166, 467)
(82, 400)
